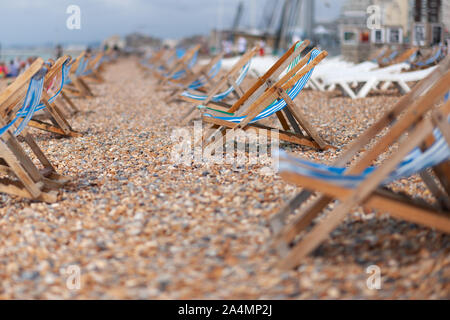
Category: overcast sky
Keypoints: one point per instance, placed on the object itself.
(44, 21)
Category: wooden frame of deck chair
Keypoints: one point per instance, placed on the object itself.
(92, 72)
(378, 54)
(54, 84)
(182, 67)
(201, 78)
(76, 86)
(403, 57)
(429, 61)
(278, 98)
(146, 64)
(22, 177)
(418, 130)
(231, 79)
(389, 58)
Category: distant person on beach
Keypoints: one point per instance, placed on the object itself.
(13, 69)
(59, 51)
(242, 45)
(3, 70)
(262, 48)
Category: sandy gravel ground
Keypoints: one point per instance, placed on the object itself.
(138, 226)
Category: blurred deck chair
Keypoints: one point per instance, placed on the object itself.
(20, 176)
(276, 99)
(92, 72)
(53, 86)
(407, 56)
(378, 54)
(433, 60)
(227, 83)
(200, 79)
(181, 68)
(391, 57)
(75, 85)
(422, 137)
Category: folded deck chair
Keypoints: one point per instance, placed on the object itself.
(180, 68)
(75, 85)
(431, 61)
(92, 72)
(201, 78)
(19, 175)
(228, 83)
(278, 96)
(378, 54)
(53, 85)
(422, 136)
(393, 55)
(407, 56)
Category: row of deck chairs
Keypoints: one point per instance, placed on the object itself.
(41, 98)
(415, 137)
(397, 71)
(225, 107)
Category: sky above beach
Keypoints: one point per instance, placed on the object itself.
(37, 22)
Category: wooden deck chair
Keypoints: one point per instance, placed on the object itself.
(181, 68)
(152, 60)
(200, 79)
(53, 86)
(407, 56)
(364, 185)
(92, 72)
(378, 54)
(391, 57)
(385, 55)
(429, 61)
(224, 85)
(19, 175)
(275, 100)
(75, 84)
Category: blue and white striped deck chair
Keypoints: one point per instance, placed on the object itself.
(227, 83)
(180, 74)
(202, 81)
(53, 84)
(417, 141)
(74, 83)
(24, 178)
(202, 77)
(431, 61)
(391, 57)
(181, 68)
(380, 55)
(274, 100)
(221, 95)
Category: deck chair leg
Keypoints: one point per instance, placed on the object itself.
(70, 102)
(16, 161)
(301, 120)
(283, 121)
(277, 222)
(52, 178)
(292, 121)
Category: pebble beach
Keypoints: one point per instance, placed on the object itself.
(139, 226)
